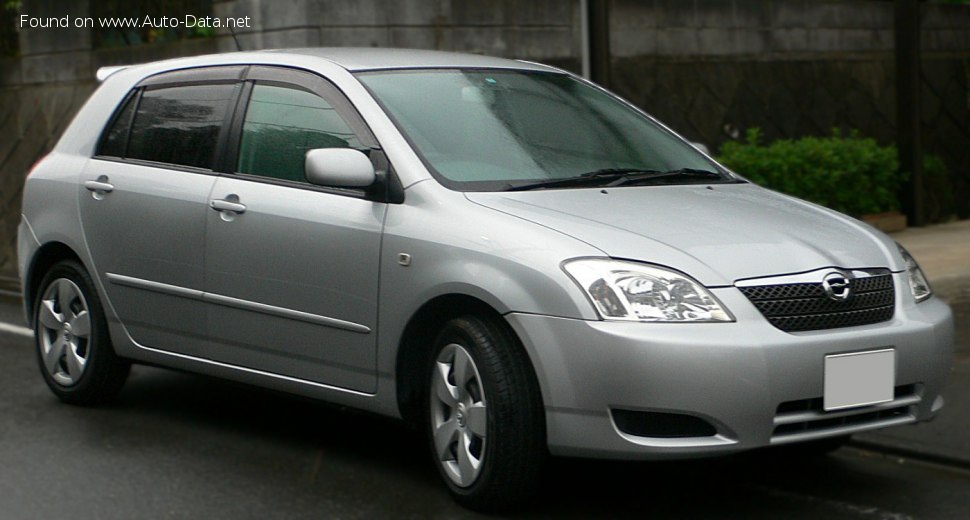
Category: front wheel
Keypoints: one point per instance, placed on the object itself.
(73, 346)
(485, 416)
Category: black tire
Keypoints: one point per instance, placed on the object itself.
(104, 373)
(515, 444)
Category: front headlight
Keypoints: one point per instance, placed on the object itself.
(917, 280)
(630, 291)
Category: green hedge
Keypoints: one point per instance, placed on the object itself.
(845, 172)
(940, 201)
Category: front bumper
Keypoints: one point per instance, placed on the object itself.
(732, 375)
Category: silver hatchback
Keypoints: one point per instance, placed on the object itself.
(503, 253)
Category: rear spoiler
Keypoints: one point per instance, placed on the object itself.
(104, 72)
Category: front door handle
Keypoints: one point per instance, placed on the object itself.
(227, 205)
(99, 187)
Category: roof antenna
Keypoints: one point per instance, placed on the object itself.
(233, 33)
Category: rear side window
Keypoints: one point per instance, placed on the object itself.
(116, 139)
(179, 125)
(281, 124)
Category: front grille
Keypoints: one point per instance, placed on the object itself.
(805, 418)
(804, 306)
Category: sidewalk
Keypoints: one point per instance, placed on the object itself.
(943, 252)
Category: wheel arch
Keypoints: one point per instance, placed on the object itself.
(414, 348)
(46, 257)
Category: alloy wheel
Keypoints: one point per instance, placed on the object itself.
(458, 415)
(64, 331)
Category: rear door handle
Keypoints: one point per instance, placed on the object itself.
(227, 205)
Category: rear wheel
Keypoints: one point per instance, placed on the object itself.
(73, 346)
(486, 428)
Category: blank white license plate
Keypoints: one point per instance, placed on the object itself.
(859, 379)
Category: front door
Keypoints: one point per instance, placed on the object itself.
(291, 271)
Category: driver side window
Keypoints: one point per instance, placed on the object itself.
(281, 124)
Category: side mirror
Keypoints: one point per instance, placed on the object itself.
(702, 148)
(339, 167)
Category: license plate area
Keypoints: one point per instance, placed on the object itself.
(859, 379)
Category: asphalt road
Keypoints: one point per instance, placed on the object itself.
(178, 445)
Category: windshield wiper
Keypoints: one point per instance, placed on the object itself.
(589, 178)
(614, 177)
(652, 175)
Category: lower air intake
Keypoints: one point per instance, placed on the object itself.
(661, 425)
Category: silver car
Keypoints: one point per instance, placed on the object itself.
(500, 252)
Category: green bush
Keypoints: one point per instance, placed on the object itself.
(845, 172)
(940, 201)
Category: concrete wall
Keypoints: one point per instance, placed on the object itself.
(769, 29)
(709, 68)
(713, 68)
(539, 29)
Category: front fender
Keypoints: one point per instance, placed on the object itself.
(455, 246)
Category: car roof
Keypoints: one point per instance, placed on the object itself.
(370, 58)
(353, 59)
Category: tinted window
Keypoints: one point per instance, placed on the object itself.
(117, 137)
(179, 125)
(281, 124)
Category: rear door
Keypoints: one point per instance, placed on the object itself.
(144, 203)
(292, 268)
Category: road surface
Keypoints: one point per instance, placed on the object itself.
(178, 445)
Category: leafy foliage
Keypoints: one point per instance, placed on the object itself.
(941, 204)
(9, 44)
(845, 172)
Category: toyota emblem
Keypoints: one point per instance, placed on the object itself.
(837, 287)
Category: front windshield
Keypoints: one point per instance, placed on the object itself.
(495, 129)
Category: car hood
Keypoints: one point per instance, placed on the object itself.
(718, 234)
